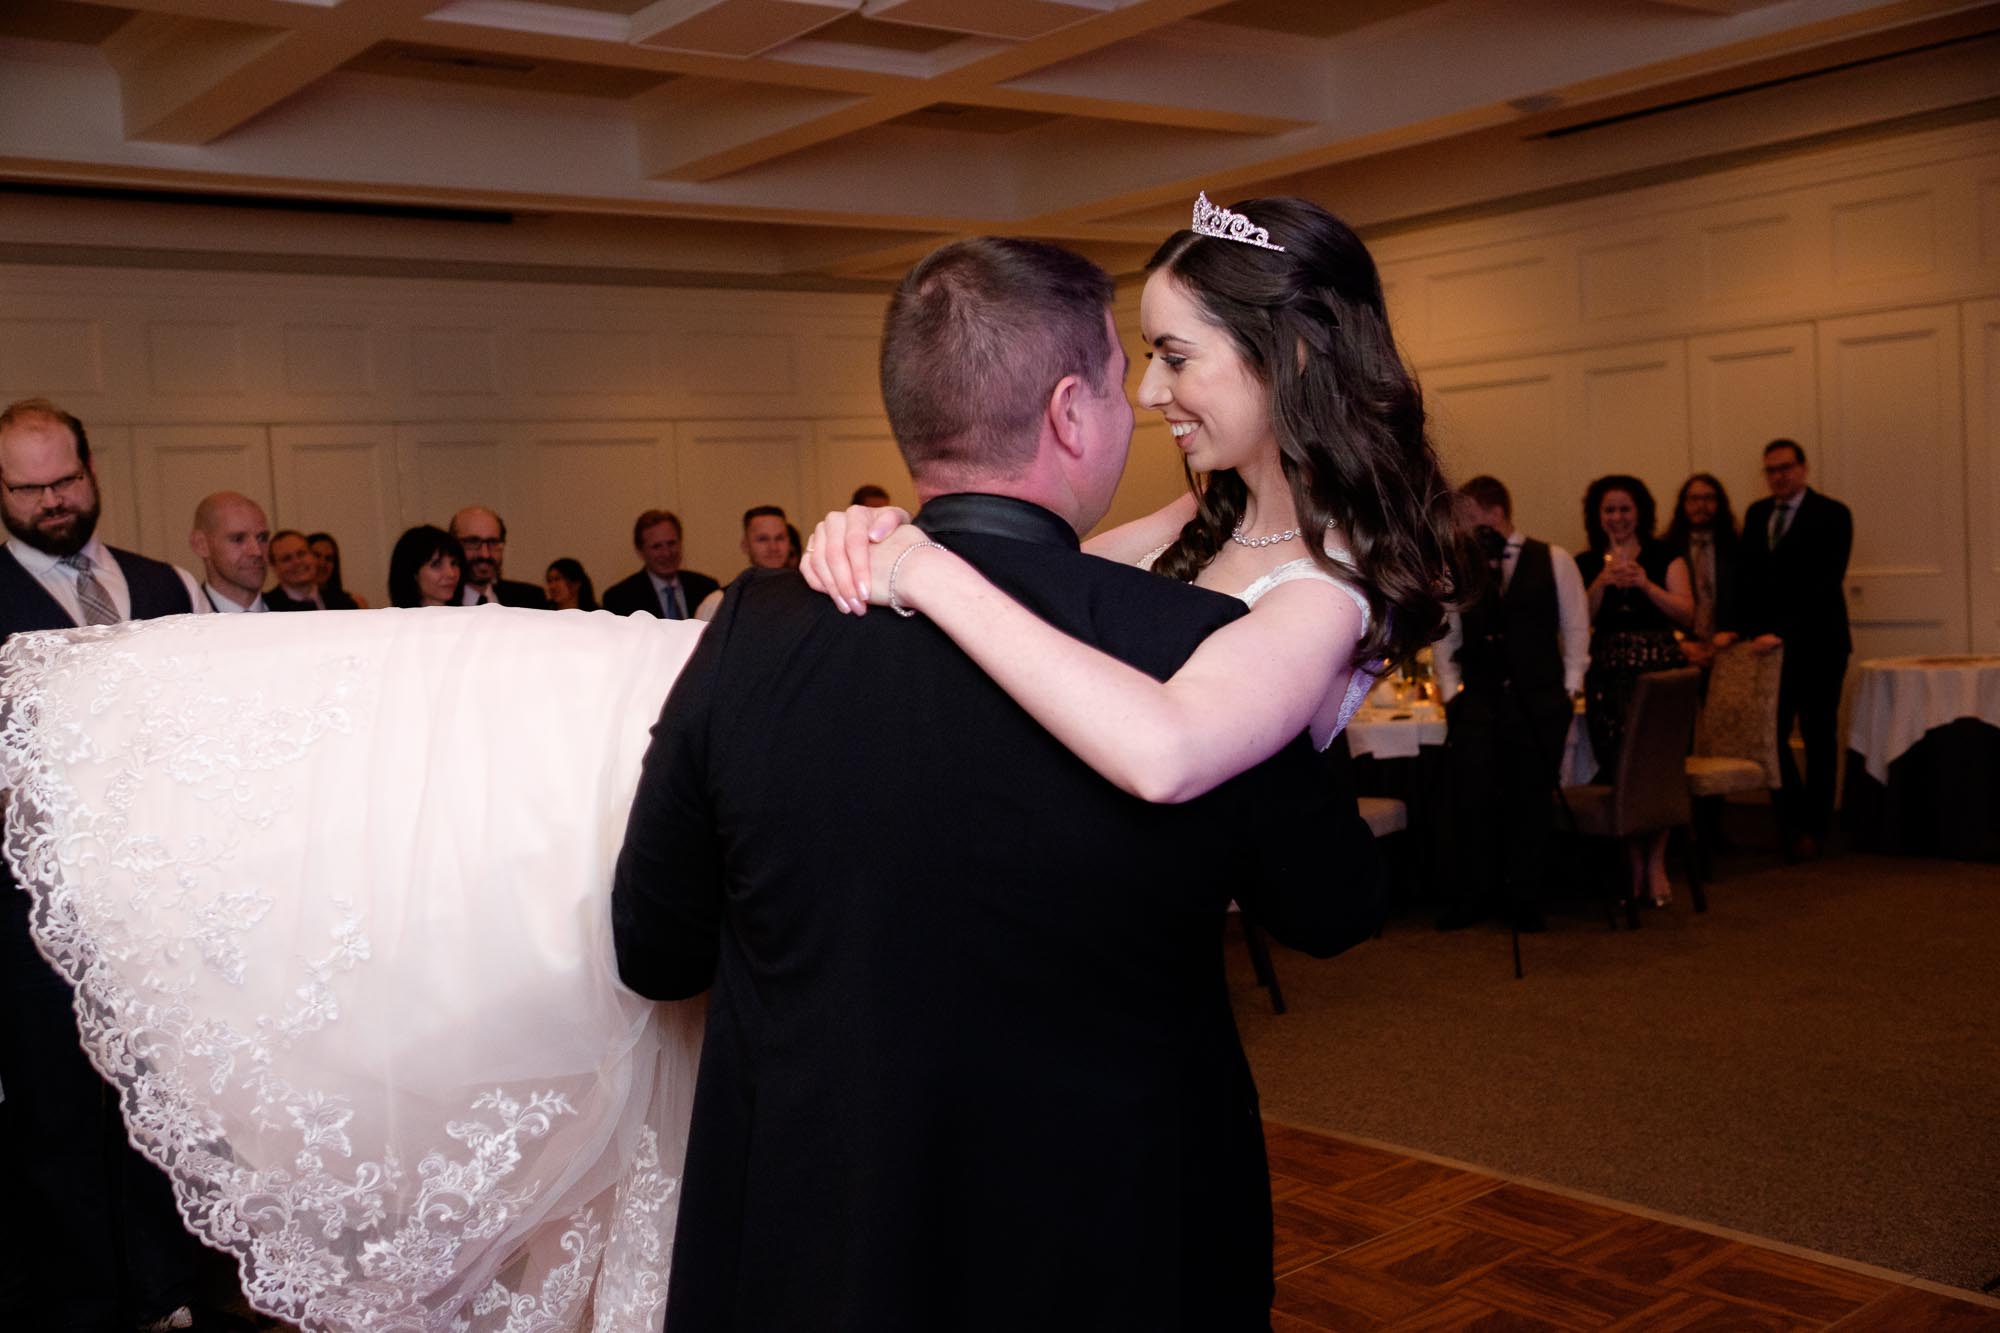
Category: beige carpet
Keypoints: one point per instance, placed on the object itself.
(1816, 1060)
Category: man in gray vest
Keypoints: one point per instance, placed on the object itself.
(1509, 669)
(91, 1221)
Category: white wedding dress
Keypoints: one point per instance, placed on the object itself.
(334, 893)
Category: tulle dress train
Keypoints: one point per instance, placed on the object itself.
(333, 892)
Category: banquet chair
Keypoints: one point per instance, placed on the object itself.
(1649, 790)
(1736, 734)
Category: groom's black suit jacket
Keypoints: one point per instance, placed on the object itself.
(970, 1062)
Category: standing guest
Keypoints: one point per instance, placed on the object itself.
(1790, 567)
(427, 568)
(1509, 668)
(569, 587)
(660, 587)
(870, 496)
(767, 543)
(333, 593)
(482, 535)
(79, 1207)
(1703, 533)
(232, 539)
(297, 568)
(1639, 596)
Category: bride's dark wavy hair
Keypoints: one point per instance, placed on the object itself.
(1347, 412)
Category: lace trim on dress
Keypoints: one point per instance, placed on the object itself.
(1363, 678)
(335, 1226)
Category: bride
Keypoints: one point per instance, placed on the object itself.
(333, 898)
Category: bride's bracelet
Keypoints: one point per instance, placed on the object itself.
(895, 603)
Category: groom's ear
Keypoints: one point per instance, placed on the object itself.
(1065, 413)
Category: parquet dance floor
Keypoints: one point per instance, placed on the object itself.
(1369, 1238)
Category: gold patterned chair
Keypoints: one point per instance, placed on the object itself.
(1736, 734)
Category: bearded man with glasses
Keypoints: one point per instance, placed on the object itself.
(91, 1221)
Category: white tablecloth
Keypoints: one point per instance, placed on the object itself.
(1394, 733)
(1898, 699)
(1398, 733)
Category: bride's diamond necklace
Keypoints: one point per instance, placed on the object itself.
(1287, 535)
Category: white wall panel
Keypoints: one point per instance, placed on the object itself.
(584, 483)
(1891, 237)
(1894, 450)
(195, 358)
(342, 480)
(50, 357)
(840, 366)
(176, 466)
(328, 360)
(1508, 419)
(441, 468)
(717, 364)
(1628, 277)
(1154, 476)
(1982, 469)
(727, 467)
(456, 362)
(590, 362)
(851, 453)
(1482, 298)
(1750, 258)
(1989, 220)
(1631, 416)
(117, 488)
(1745, 390)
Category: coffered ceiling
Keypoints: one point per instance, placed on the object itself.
(826, 143)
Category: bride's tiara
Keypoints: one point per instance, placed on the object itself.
(1227, 226)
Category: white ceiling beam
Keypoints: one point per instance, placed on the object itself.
(698, 129)
(719, 150)
(1160, 115)
(1014, 20)
(191, 81)
(739, 28)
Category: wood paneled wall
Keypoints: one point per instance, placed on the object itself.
(1842, 298)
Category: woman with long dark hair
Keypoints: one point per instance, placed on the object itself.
(569, 587)
(1639, 596)
(1314, 495)
(426, 568)
(332, 583)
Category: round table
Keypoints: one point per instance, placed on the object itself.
(1923, 767)
(1379, 732)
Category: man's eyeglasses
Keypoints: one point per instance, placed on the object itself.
(482, 543)
(61, 487)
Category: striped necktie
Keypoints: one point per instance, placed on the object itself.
(1781, 520)
(98, 608)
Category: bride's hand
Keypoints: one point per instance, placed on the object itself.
(840, 558)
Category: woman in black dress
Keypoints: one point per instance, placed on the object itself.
(1639, 596)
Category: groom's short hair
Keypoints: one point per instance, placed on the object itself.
(976, 338)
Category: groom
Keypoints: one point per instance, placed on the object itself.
(969, 1062)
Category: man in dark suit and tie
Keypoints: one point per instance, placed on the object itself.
(297, 568)
(970, 1062)
(90, 1222)
(1791, 564)
(660, 587)
(483, 534)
